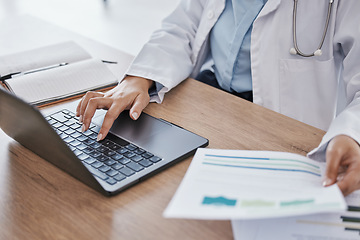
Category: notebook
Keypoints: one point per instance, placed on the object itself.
(132, 151)
(55, 73)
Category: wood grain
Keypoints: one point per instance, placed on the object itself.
(39, 201)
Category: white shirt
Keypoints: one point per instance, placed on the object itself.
(306, 89)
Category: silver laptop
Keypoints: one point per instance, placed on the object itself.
(132, 151)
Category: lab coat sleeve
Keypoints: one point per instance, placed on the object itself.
(347, 40)
(166, 57)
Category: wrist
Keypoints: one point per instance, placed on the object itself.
(147, 83)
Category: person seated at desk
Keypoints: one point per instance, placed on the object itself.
(298, 58)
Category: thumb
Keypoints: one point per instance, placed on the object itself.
(333, 159)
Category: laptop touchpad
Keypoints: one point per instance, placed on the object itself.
(140, 132)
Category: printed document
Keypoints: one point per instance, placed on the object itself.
(236, 184)
(329, 226)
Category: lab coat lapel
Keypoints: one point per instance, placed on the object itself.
(269, 7)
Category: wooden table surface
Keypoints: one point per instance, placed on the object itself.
(39, 201)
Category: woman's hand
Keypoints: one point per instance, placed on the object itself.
(343, 164)
(131, 93)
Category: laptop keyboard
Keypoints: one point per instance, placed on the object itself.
(112, 159)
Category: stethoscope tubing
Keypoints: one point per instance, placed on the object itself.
(298, 51)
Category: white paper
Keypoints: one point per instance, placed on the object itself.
(62, 82)
(64, 52)
(235, 184)
(334, 226)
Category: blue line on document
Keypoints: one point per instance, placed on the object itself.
(263, 168)
(259, 158)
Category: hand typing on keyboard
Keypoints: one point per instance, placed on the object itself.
(131, 94)
(113, 159)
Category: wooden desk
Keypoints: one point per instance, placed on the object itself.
(39, 201)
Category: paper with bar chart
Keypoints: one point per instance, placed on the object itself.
(330, 226)
(236, 184)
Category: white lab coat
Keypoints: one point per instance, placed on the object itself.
(307, 89)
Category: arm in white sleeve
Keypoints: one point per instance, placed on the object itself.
(347, 37)
(166, 57)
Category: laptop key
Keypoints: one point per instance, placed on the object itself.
(76, 135)
(69, 131)
(68, 140)
(110, 162)
(102, 158)
(134, 166)
(63, 128)
(75, 143)
(117, 156)
(93, 136)
(131, 147)
(95, 154)
(126, 171)
(97, 164)
(139, 151)
(59, 116)
(117, 166)
(109, 153)
(124, 160)
(88, 150)
(96, 172)
(114, 147)
(83, 139)
(111, 181)
(145, 163)
(147, 155)
(104, 168)
(119, 177)
(90, 160)
(117, 140)
(129, 154)
(52, 121)
(137, 158)
(89, 141)
(63, 135)
(122, 150)
(83, 156)
(88, 133)
(81, 146)
(75, 126)
(111, 173)
(77, 152)
(106, 142)
(65, 111)
(155, 159)
(70, 122)
(57, 125)
(95, 145)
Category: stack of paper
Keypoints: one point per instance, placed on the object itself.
(264, 192)
(226, 184)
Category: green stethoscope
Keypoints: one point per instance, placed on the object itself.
(295, 50)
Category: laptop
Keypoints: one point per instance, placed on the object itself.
(132, 151)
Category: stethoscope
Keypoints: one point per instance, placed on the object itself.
(295, 50)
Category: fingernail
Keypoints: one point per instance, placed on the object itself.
(135, 115)
(99, 137)
(80, 119)
(326, 182)
(83, 128)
